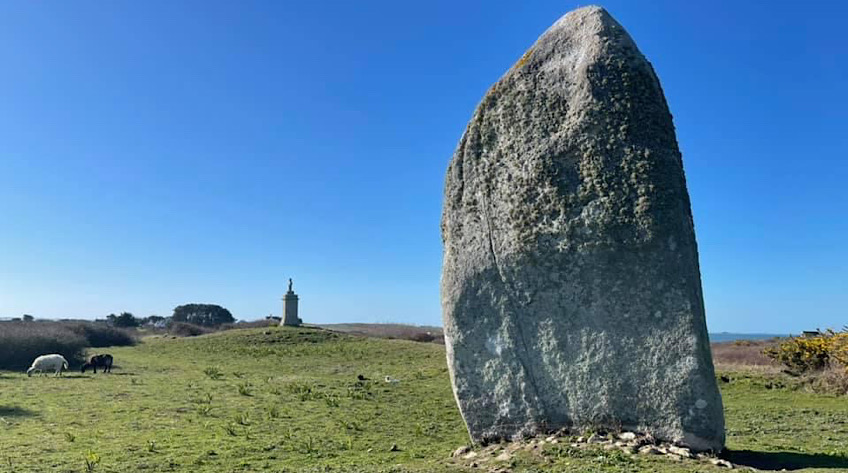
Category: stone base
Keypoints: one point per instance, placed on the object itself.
(290, 317)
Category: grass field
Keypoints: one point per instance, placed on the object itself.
(285, 400)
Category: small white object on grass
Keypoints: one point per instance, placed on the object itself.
(389, 379)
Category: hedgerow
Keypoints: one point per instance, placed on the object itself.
(21, 342)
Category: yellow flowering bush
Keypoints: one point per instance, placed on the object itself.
(803, 354)
(839, 348)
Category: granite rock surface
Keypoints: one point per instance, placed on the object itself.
(570, 289)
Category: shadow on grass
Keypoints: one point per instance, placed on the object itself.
(784, 460)
(15, 411)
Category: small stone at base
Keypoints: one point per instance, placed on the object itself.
(461, 451)
(721, 463)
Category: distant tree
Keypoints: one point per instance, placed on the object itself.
(126, 319)
(208, 315)
(28, 318)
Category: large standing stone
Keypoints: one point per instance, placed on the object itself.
(570, 287)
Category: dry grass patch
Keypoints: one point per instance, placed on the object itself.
(744, 353)
(415, 333)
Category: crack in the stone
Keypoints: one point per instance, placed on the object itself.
(539, 404)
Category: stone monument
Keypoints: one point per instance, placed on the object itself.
(571, 291)
(290, 308)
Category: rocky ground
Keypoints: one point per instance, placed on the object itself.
(497, 458)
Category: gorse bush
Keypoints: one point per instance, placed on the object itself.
(839, 347)
(809, 354)
(801, 354)
(22, 342)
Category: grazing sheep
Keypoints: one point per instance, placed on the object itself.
(44, 363)
(104, 361)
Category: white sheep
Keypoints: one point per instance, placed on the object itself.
(44, 363)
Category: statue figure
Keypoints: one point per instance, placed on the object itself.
(290, 285)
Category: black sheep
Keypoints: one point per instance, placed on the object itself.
(104, 361)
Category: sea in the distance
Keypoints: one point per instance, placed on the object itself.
(729, 337)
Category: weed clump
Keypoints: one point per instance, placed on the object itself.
(213, 372)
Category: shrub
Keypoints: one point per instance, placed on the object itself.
(183, 329)
(801, 354)
(839, 348)
(424, 337)
(22, 342)
(251, 324)
(100, 334)
(833, 380)
(807, 354)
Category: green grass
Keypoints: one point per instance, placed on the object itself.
(286, 399)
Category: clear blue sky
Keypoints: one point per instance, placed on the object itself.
(156, 153)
